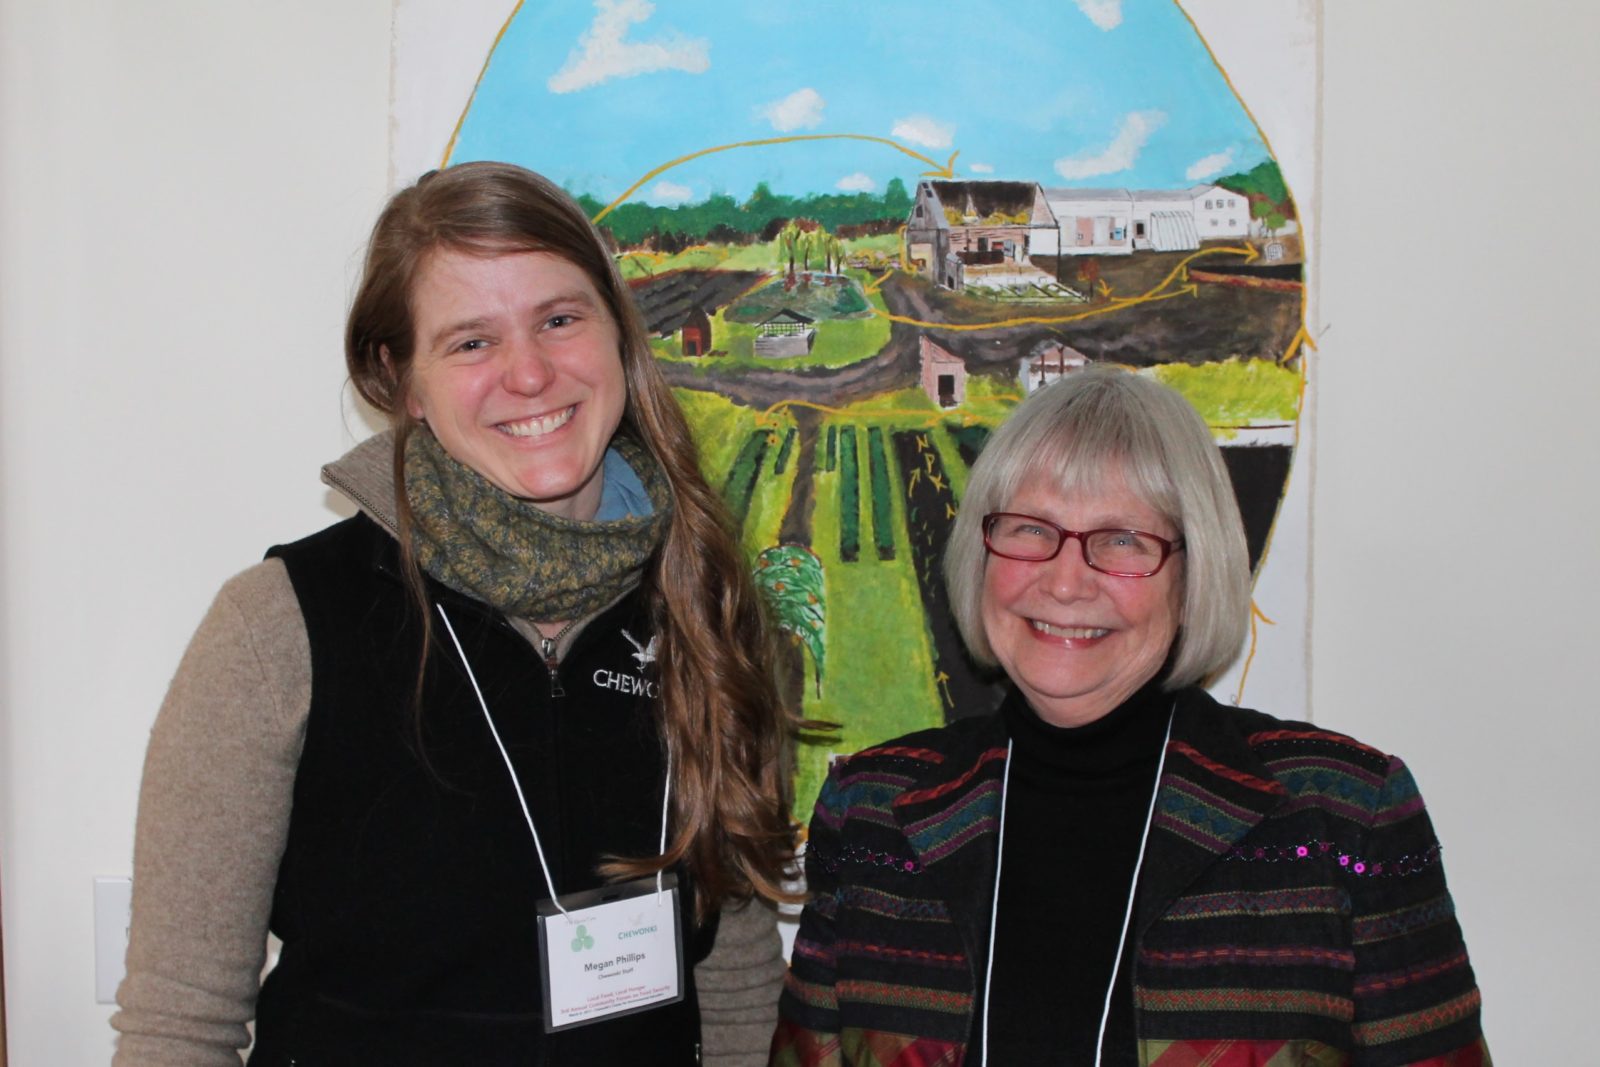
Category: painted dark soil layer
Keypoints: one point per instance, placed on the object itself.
(1211, 323)
(1258, 474)
(1204, 323)
(930, 508)
(1286, 272)
(666, 300)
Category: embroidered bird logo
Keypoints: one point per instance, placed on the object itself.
(645, 654)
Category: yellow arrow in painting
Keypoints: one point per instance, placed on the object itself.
(945, 170)
(949, 511)
(911, 482)
(1182, 269)
(942, 680)
(769, 416)
(1105, 290)
(1301, 337)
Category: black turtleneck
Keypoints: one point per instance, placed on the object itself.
(1075, 811)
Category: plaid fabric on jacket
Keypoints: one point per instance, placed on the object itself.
(1292, 909)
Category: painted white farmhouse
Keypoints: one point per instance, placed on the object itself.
(1115, 222)
(1220, 212)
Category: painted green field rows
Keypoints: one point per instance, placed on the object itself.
(880, 678)
(882, 494)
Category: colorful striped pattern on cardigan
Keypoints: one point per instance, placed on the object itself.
(1292, 907)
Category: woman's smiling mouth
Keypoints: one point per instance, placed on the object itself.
(538, 425)
(1075, 633)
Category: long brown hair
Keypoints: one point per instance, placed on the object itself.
(722, 720)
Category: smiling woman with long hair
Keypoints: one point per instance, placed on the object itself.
(420, 745)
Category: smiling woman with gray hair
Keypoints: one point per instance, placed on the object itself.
(1114, 867)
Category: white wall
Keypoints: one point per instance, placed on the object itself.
(185, 186)
(1457, 426)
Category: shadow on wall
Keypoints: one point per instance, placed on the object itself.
(2, 998)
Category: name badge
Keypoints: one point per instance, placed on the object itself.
(617, 950)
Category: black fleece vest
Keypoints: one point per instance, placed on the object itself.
(405, 899)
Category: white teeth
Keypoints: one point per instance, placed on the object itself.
(539, 425)
(1071, 632)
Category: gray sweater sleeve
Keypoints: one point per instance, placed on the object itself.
(738, 985)
(213, 818)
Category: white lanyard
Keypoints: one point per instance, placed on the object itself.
(1127, 916)
(544, 867)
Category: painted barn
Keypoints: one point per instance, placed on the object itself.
(695, 334)
(958, 227)
(1050, 361)
(944, 374)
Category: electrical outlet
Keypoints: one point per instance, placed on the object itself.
(113, 905)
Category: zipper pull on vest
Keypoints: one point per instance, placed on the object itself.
(547, 648)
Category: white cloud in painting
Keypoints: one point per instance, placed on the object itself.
(602, 53)
(1107, 14)
(925, 131)
(1215, 163)
(1120, 154)
(669, 193)
(981, 168)
(856, 183)
(800, 110)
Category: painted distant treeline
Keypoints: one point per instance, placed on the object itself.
(723, 220)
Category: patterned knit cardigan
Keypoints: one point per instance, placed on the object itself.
(1291, 911)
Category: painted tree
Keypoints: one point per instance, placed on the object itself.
(790, 576)
(787, 239)
(811, 232)
(1089, 275)
(1268, 215)
(834, 250)
(896, 201)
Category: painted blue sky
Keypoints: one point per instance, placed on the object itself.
(1087, 93)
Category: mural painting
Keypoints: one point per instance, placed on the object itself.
(861, 234)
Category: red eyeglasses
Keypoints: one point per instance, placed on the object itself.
(1122, 553)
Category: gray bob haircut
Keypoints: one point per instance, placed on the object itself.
(1094, 428)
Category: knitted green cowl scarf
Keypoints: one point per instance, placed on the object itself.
(482, 541)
